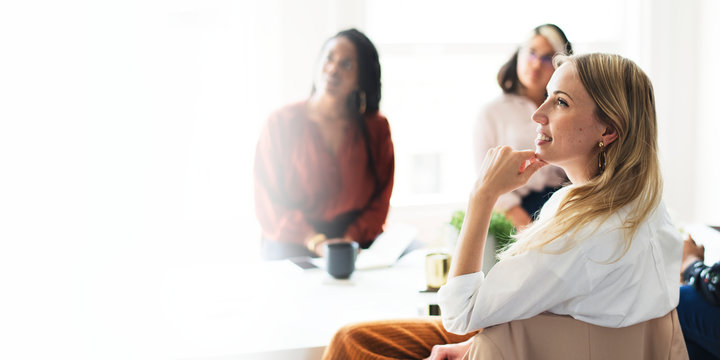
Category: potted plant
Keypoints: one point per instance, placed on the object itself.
(499, 237)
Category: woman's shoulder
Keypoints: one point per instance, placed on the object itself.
(660, 228)
(610, 233)
(285, 124)
(377, 123)
(288, 113)
(551, 205)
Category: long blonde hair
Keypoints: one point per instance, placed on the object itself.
(624, 100)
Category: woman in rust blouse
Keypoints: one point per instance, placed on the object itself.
(324, 167)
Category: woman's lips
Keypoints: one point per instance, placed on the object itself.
(542, 139)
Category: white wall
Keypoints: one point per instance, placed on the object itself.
(706, 177)
(678, 50)
(671, 63)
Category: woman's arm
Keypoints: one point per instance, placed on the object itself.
(503, 170)
(279, 218)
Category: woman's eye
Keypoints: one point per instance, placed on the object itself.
(346, 65)
(562, 102)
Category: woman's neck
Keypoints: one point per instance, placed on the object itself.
(579, 176)
(328, 108)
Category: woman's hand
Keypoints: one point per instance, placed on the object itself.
(505, 170)
(692, 252)
(450, 351)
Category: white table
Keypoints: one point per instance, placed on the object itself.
(275, 309)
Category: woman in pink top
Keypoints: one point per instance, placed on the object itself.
(506, 120)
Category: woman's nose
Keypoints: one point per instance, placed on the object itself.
(535, 63)
(539, 116)
(331, 67)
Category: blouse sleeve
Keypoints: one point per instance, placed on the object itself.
(486, 136)
(279, 219)
(370, 222)
(516, 288)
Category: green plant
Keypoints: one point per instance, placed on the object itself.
(457, 219)
(500, 227)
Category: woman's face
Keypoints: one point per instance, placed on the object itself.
(338, 75)
(535, 65)
(568, 128)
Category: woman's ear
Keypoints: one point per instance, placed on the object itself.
(609, 136)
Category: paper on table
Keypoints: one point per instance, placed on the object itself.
(387, 248)
(708, 237)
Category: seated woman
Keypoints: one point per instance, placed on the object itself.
(603, 249)
(324, 167)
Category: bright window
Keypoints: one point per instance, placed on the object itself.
(439, 66)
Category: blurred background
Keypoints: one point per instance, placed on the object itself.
(129, 128)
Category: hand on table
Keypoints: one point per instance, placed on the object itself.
(450, 351)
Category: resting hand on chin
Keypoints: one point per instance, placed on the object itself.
(505, 170)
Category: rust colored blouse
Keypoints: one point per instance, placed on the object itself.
(299, 181)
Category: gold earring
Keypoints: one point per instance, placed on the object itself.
(363, 102)
(601, 157)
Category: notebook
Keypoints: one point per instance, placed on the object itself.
(387, 247)
(709, 238)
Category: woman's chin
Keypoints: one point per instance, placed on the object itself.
(542, 156)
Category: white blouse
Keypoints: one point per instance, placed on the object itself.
(582, 282)
(507, 120)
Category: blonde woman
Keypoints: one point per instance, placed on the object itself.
(603, 250)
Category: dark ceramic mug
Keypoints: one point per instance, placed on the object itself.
(340, 258)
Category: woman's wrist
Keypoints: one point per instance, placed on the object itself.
(484, 194)
(314, 240)
(689, 260)
(480, 202)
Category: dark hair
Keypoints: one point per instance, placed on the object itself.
(507, 77)
(368, 72)
(369, 83)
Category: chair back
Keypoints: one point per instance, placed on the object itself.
(550, 336)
